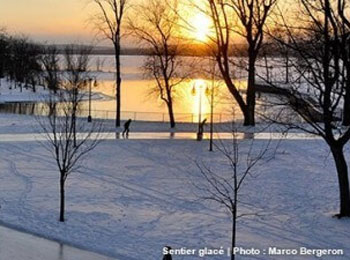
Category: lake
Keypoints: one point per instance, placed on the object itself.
(138, 103)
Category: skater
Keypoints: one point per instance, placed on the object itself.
(127, 128)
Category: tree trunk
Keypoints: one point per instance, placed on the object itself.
(249, 115)
(346, 109)
(171, 114)
(74, 119)
(267, 68)
(343, 179)
(224, 69)
(118, 84)
(233, 241)
(62, 198)
(287, 68)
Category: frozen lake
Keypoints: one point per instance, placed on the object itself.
(140, 104)
(137, 96)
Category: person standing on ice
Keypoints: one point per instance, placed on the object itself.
(127, 128)
(201, 130)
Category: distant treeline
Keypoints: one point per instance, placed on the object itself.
(20, 60)
(25, 63)
(197, 50)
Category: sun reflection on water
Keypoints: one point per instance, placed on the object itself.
(136, 100)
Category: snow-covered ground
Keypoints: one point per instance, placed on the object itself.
(9, 93)
(132, 197)
(24, 124)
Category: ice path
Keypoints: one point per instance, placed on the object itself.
(16, 245)
(164, 136)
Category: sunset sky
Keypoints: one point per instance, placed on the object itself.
(63, 21)
(67, 21)
(48, 20)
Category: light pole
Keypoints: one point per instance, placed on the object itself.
(210, 92)
(199, 132)
(212, 109)
(90, 85)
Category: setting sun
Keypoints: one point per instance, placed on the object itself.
(201, 25)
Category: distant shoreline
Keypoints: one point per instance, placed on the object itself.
(191, 50)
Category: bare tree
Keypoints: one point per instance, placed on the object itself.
(156, 27)
(109, 23)
(76, 77)
(251, 16)
(61, 142)
(61, 126)
(51, 68)
(285, 55)
(99, 64)
(4, 52)
(24, 64)
(224, 187)
(321, 44)
(344, 22)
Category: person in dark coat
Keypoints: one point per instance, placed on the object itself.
(201, 130)
(127, 128)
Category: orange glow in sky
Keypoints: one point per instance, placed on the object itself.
(50, 20)
(67, 21)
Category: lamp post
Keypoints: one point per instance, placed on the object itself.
(212, 109)
(210, 92)
(90, 85)
(199, 132)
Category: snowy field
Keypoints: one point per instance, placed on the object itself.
(132, 197)
(9, 93)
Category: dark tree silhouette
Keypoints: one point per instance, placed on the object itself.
(155, 24)
(51, 68)
(24, 64)
(252, 16)
(224, 187)
(109, 23)
(320, 90)
(62, 126)
(344, 21)
(4, 53)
